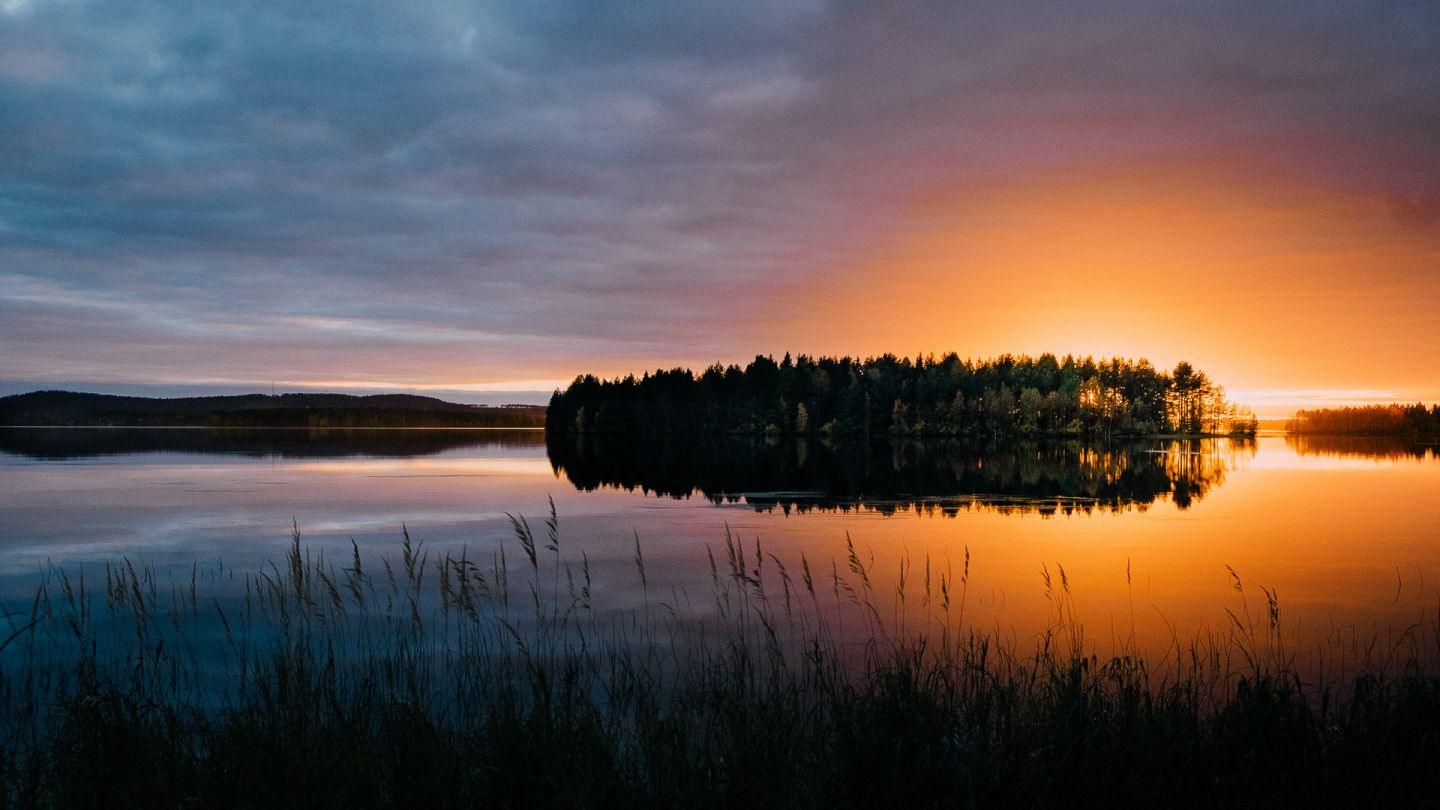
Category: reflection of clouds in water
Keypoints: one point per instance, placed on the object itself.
(390, 525)
(425, 467)
(1318, 555)
(213, 530)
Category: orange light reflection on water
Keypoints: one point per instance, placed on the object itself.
(1345, 540)
(1346, 544)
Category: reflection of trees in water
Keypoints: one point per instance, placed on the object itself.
(944, 477)
(66, 443)
(1371, 447)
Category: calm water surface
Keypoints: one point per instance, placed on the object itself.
(1347, 533)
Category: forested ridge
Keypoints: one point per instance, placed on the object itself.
(69, 408)
(1409, 421)
(529, 416)
(897, 396)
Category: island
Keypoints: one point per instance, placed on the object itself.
(1010, 395)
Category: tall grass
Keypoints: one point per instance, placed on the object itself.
(507, 681)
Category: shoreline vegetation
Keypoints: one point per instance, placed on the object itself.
(62, 443)
(888, 395)
(1414, 422)
(319, 411)
(511, 681)
(823, 398)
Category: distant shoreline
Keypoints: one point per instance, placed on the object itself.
(262, 411)
(296, 428)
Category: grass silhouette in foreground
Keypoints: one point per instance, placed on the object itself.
(442, 681)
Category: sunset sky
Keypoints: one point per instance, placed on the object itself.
(484, 199)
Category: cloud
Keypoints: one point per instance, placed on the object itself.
(1416, 211)
(528, 189)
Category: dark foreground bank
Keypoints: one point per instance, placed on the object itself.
(451, 682)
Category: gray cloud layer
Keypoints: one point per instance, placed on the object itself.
(399, 190)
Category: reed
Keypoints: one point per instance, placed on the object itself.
(453, 680)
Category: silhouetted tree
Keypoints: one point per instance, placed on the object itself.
(891, 395)
(1407, 421)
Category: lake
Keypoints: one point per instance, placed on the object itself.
(1346, 533)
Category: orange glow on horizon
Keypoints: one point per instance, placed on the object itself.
(1265, 283)
(500, 387)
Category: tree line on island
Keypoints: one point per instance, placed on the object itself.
(896, 396)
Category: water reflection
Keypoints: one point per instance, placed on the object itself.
(58, 444)
(943, 477)
(1378, 448)
(1347, 543)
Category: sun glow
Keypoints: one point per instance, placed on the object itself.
(1215, 263)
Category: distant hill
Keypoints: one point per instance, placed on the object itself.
(69, 408)
(63, 443)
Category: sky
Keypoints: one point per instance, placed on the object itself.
(483, 200)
